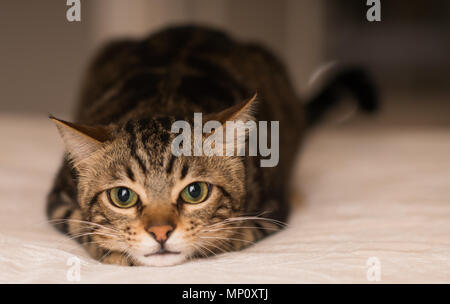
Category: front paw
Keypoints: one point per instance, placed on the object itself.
(117, 258)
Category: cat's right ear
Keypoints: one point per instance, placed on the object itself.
(80, 140)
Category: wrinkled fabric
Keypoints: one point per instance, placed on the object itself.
(372, 204)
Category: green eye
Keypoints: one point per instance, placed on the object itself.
(195, 193)
(123, 197)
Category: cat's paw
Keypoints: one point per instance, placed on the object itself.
(117, 258)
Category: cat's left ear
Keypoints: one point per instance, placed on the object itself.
(81, 141)
(238, 121)
(243, 111)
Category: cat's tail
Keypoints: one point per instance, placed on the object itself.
(352, 80)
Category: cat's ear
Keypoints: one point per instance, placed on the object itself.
(232, 127)
(243, 111)
(81, 140)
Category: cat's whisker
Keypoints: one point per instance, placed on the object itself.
(74, 236)
(70, 247)
(96, 242)
(128, 255)
(233, 230)
(207, 243)
(236, 233)
(62, 221)
(249, 218)
(226, 243)
(202, 246)
(223, 238)
(79, 235)
(92, 229)
(257, 214)
(198, 249)
(239, 227)
(256, 218)
(195, 252)
(215, 246)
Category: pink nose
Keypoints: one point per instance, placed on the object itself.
(160, 233)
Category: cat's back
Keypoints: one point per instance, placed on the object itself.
(180, 70)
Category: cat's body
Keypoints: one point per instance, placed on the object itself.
(133, 93)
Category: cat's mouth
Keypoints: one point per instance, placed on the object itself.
(162, 257)
(161, 251)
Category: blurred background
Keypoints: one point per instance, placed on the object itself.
(367, 187)
(43, 56)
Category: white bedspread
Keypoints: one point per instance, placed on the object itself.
(366, 192)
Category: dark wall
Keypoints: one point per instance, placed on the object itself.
(42, 56)
(409, 49)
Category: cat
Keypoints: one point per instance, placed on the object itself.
(123, 194)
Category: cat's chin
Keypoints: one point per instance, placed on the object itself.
(162, 260)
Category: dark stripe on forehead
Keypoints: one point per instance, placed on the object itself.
(165, 122)
(143, 124)
(145, 136)
(164, 138)
(170, 164)
(132, 145)
(184, 171)
(151, 134)
(130, 173)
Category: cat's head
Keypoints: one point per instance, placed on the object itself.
(157, 208)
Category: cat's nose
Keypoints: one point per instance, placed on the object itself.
(160, 233)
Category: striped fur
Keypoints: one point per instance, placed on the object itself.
(134, 91)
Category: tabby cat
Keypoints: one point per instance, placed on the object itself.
(123, 194)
